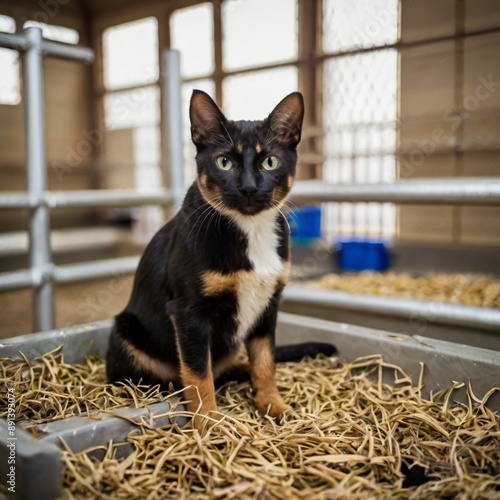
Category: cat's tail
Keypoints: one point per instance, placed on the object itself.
(296, 352)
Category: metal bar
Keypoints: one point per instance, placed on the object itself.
(48, 48)
(106, 198)
(16, 280)
(472, 191)
(95, 198)
(14, 42)
(70, 52)
(70, 273)
(454, 314)
(464, 191)
(15, 201)
(172, 125)
(95, 269)
(39, 225)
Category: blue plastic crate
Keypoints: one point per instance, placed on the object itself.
(305, 225)
(363, 255)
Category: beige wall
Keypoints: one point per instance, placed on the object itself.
(70, 139)
(450, 115)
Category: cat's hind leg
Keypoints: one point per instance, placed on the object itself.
(125, 360)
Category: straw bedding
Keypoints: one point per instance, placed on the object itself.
(473, 290)
(351, 436)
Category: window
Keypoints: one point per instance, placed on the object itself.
(10, 85)
(131, 54)
(360, 109)
(252, 40)
(197, 51)
(132, 102)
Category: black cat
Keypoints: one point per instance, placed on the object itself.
(210, 280)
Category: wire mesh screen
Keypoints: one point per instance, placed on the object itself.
(360, 110)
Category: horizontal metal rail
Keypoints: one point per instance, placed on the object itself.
(438, 312)
(94, 198)
(107, 198)
(21, 43)
(95, 269)
(14, 42)
(464, 191)
(16, 280)
(68, 52)
(70, 273)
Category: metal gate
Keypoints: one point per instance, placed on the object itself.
(43, 273)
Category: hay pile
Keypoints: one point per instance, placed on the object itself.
(473, 290)
(351, 436)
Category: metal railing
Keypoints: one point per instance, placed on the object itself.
(43, 273)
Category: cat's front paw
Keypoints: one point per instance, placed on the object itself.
(203, 422)
(272, 405)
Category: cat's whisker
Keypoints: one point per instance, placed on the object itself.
(230, 141)
(197, 222)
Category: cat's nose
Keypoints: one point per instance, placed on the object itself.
(248, 189)
(247, 186)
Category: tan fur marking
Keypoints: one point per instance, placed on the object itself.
(239, 148)
(267, 397)
(212, 196)
(200, 395)
(142, 361)
(258, 148)
(215, 283)
(234, 360)
(279, 195)
(290, 182)
(199, 391)
(285, 275)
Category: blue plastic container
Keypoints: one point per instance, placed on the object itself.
(305, 225)
(363, 255)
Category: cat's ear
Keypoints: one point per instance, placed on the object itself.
(207, 120)
(285, 121)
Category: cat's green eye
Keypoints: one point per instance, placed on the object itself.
(224, 163)
(271, 163)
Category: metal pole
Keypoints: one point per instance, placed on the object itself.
(120, 266)
(70, 52)
(15, 42)
(15, 201)
(107, 198)
(172, 125)
(439, 312)
(16, 280)
(39, 225)
(463, 191)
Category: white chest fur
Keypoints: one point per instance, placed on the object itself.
(255, 291)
